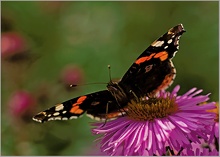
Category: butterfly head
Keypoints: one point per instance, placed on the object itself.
(117, 91)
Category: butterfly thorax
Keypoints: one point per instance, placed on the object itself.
(120, 94)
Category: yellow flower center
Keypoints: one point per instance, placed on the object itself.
(150, 109)
(216, 111)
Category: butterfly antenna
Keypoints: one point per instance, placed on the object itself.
(75, 85)
(109, 72)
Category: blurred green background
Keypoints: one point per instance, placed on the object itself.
(89, 36)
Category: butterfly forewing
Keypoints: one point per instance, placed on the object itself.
(153, 70)
(94, 104)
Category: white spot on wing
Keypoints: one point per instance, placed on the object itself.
(57, 118)
(59, 107)
(50, 119)
(174, 53)
(97, 118)
(37, 120)
(177, 42)
(90, 116)
(73, 117)
(174, 73)
(157, 43)
(169, 41)
(56, 113)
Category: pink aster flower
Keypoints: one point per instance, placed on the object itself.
(152, 124)
(214, 136)
(215, 126)
(200, 149)
(205, 147)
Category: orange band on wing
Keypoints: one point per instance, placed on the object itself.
(162, 55)
(143, 59)
(79, 111)
(75, 109)
(80, 100)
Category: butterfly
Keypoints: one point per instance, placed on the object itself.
(151, 72)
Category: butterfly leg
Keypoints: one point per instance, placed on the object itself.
(106, 115)
(135, 96)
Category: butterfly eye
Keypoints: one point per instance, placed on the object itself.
(148, 67)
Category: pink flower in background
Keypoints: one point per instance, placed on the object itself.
(71, 75)
(12, 43)
(166, 120)
(20, 103)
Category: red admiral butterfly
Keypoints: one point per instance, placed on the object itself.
(151, 72)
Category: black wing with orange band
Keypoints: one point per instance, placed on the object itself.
(153, 70)
(95, 105)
